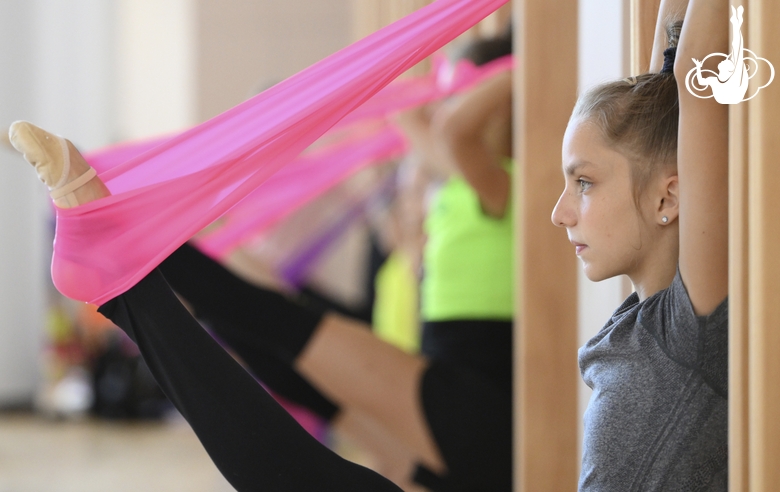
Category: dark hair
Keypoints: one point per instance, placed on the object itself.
(639, 117)
(486, 50)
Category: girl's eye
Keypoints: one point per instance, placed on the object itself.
(584, 185)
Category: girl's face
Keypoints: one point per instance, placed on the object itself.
(597, 205)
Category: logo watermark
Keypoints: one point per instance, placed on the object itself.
(730, 84)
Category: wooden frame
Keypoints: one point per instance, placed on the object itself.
(738, 297)
(644, 14)
(546, 375)
(763, 259)
(754, 271)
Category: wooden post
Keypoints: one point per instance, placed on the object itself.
(546, 372)
(371, 15)
(738, 293)
(644, 14)
(764, 261)
(738, 299)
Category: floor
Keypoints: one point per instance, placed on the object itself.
(39, 455)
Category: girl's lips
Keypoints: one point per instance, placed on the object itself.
(578, 247)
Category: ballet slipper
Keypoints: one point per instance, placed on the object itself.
(59, 165)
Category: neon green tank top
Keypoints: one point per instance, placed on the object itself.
(468, 258)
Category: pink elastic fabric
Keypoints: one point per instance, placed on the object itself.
(167, 194)
(296, 185)
(314, 173)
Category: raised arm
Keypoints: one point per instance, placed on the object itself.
(668, 12)
(471, 131)
(702, 161)
(416, 124)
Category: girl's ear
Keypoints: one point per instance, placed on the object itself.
(668, 200)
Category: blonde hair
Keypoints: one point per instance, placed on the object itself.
(639, 118)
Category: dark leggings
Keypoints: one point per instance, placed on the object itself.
(465, 392)
(233, 309)
(251, 439)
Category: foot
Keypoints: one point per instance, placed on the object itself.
(70, 179)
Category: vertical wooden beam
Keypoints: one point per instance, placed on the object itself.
(365, 18)
(738, 293)
(546, 332)
(371, 15)
(497, 22)
(643, 19)
(764, 261)
(738, 299)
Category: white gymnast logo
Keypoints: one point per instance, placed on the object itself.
(731, 84)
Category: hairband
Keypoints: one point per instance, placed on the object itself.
(669, 55)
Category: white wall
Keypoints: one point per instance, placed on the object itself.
(156, 66)
(21, 270)
(603, 45)
(57, 72)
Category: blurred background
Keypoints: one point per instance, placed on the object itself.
(78, 411)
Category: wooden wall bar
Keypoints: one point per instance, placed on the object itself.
(738, 299)
(764, 260)
(546, 375)
(643, 19)
(738, 294)
(372, 15)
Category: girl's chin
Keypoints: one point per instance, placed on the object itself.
(593, 273)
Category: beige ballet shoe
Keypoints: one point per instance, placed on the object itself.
(58, 164)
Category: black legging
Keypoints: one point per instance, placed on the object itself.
(251, 439)
(236, 311)
(465, 392)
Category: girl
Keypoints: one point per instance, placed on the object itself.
(646, 196)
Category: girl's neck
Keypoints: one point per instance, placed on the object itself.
(657, 269)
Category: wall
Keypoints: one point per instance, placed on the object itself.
(246, 46)
(57, 72)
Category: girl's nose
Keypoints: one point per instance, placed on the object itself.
(561, 214)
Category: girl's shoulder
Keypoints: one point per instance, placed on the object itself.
(666, 320)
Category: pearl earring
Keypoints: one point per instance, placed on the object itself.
(664, 219)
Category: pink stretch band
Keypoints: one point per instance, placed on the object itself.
(163, 197)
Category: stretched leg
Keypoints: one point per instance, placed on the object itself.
(460, 413)
(352, 368)
(233, 309)
(246, 317)
(252, 440)
(385, 453)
